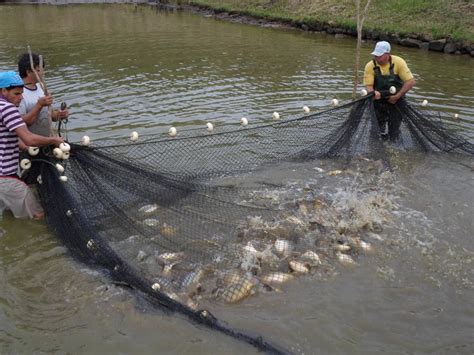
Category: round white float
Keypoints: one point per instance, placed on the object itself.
(60, 168)
(65, 147)
(172, 132)
(134, 136)
(85, 140)
(58, 153)
(33, 151)
(25, 164)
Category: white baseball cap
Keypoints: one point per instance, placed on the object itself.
(381, 48)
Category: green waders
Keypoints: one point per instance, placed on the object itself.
(387, 114)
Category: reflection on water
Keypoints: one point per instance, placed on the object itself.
(124, 68)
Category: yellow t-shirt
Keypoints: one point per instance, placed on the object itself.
(400, 68)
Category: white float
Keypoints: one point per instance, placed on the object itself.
(63, 178)
(335, 102)
(209, 127)
(392, 90)
(25, 164)
(58, 153)
(65, 147)
(172, 132)
(134, 136)
(306, 109)
(85, 140)
(276, 116)
(424, 103)
(244, 121)
(33, 151)
(60, 168)
(363, 92)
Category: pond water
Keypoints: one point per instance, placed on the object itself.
(122, 68)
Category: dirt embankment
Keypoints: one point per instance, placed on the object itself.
(422, 41)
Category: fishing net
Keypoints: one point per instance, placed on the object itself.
(205, 216)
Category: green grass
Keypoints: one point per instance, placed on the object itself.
(434, 18)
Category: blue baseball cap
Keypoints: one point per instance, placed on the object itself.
(10, 79)
(381, 48)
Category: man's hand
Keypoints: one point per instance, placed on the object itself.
(58, 141)
(377, 95)
(393, 99)
(45, 100)
(60, 114)
(63, 114)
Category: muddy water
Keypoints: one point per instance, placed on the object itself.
(124, 68)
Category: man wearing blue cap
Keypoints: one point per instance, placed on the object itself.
(381, 73)
(15, 195)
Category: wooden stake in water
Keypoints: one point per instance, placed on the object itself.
(360, 24)
(40, 78)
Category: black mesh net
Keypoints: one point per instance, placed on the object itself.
(206, 217)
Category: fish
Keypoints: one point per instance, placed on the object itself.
(168, 258)
(238, 291)
(148, 209)
(299, 267)
(191, 281)
(360, 244)
(168, 267)
(233, 276)
(345, 259)
(249, 248)
(276, 278)
(335, 172)
(283, 247)
(151, 222)
(311, 256)
(342, 247)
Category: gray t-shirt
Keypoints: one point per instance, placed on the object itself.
(42, 124)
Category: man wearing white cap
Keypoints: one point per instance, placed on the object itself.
(15, 195)
(381, 73)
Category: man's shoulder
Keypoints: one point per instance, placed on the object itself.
(369, 65)
(5, 105)
(398, 60)
(32, 92)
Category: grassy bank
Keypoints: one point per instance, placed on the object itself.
(432, 19)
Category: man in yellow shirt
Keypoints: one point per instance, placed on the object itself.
(380, 74)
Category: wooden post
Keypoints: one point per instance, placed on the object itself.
(40, 79)
(360, 24)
